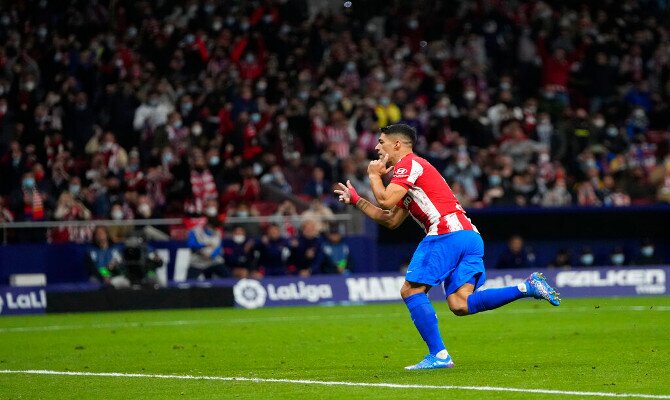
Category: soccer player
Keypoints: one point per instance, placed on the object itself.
(452, 251)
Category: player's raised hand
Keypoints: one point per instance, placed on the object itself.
(347, 193)
(378, 167)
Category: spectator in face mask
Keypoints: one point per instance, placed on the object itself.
(617, 257)
(586, 258)
(240, 253)
(647, 255)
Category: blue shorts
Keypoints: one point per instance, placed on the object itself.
(454, 258)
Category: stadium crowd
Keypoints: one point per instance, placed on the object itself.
(133, 110)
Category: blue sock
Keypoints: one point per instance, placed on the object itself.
(493, 298)
(425, 320)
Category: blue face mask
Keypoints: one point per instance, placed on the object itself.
(75, 189)
(647, 251)
(494, 180)
(586, 259)
(617, 259)
(29, 183)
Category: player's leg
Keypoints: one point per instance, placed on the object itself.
(425, 320)
(465, 301)
(427, 269)
(423, 314)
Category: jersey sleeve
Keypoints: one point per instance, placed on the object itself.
(406, 172)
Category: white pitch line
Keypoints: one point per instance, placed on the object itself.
(335, 383)
(140, 324)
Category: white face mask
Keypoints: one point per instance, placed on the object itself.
(239, 239)
(117, 215)
(587, 259)
(617, 259)
(647, 251)
(144, 209)
(211, 211)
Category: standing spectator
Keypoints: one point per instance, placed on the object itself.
(70, 209)
(29, 204)
(151, 113)
(203, 186)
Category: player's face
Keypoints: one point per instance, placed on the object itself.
(385, 146)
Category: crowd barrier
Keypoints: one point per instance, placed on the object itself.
(315, 290)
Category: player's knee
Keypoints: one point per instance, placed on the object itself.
(409, 289)
(406, 291)
(458, 306)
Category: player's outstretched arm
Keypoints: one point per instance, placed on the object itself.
(389, 218)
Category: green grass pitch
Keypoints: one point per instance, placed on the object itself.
(590, 345)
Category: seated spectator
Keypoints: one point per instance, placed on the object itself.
(104, 261)
(562, 260)
(206, 251)
(239, 253)
(337, 252)
(274, 252)
(586, 257)
(306, 251)
(617, 257)
(647, 254)
(319, 214)
(515, 254)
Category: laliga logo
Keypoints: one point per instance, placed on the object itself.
(249, 293)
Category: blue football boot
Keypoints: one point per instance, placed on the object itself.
(432, 362)
(537, 287)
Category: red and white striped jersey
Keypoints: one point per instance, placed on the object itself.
(429, 198)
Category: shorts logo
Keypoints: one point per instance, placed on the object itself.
(249, 293)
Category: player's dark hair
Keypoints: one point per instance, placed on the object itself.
(402, 130)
